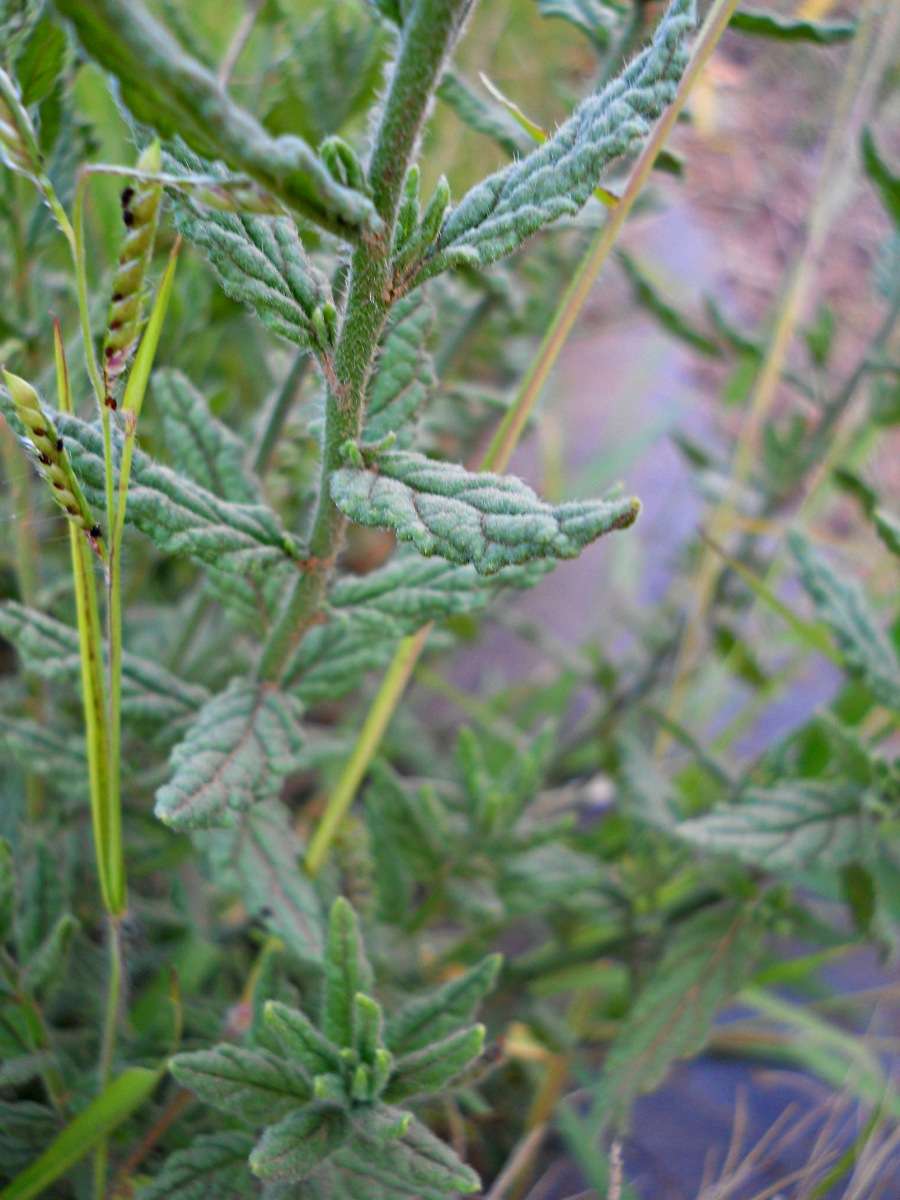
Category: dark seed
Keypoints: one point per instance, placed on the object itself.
(128, 218)
(96, 531)
(117, 296)
(127, 196)
(42, 457)
(59, 443)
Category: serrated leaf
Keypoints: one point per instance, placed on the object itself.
(432, 1068)
(708, 958)
(165, 87)
(790, 29)
(490, 521)
(840, 603)
(594, 18)
(557, 179)
(347, 971)
(259, 262)
(299, 1038)
(261, 857)
(886, 181)
(417, 1159)
(254, 1085)
(404, 375)
(46, 752)
(333, 658)
(236, 753)
(796, 823)
(443, 1010)
(300, 1143)
(213, 1165)
(41, 62)
(201, 446)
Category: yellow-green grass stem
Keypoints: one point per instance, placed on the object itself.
(511, 427)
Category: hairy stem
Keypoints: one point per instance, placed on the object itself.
(429, 33)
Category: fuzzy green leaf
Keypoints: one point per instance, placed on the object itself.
(151, 695)
(432, 1068)
(260, 262)
(47, 752)
(166, 88)
(300, 1039)
(558, 178)
(416, 1159)
(261, 858)
(347, 971)
(404, 374)
(235, 754)
(491, 521)
(180, 517)
(300, 1143)
(214, 1164)
(797, 823)
(250, 1084)
(840, 603)
(201, 447)
(594, 18)
(490, 119)
(444, 1010)
(706, 961)
(791, 29)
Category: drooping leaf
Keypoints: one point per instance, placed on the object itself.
(254, 1085)
(797, 823)
(840, 603)
(168, 89)
(443, 1011)
(236, 753)
(706, 961)
(490, 521)
(347, 971)
(214, 1164)
(404, 374)
(886, 181)
(200, 445)
(557, 179)
(431, 1069)
(294, 1147)
(151, 695)
(790, 29)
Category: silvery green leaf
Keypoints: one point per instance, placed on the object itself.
(47, 962)
(404, 375)
(46, 752)
(260, 857)
(431, 1069)
(214, 1164)
(490, 521)
(151, 695)
(797, 823)
(201, 447)
(347, 971)
(166, 88)
(557, 179)
(241, 745)
(840, 603)
(485, 117)
(251, 1084)
(444, 1010)
(179, 516)
(595, 18)
(299, 1143)
(300, 1039)
(417, 1159)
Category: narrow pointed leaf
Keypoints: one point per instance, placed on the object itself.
(251, 1084)
(432, 1068)
(347, 971)
(300, 1143)
(300, 1039)
(790, 29)
(214, 1164)
(444, 1010)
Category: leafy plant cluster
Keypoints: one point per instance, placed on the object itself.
(278, 340)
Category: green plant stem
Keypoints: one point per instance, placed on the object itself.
(428, 34)
(279, 411)
(108, 1042)
(510, 429)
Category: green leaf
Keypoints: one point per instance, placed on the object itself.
(595, 18)
(791, 29)
(708, 958)
(432, 1068)
(201, 447)
(347, 971)
(416, 1159)
(887, 526)
(47, 752)
(7, 890)
(180, 517)
(557, 179)
(260, 262)
(111, 1108)
(492, 120)
(886, 181)
(151, 695)
(25, 1129)
(41, 62)
(648, 297)
(254, 1085)
(294, 1147)
(46, 964)
(840, 603)
(491, 521)
(796, 823)
(444, 1010)
(333, 658)
(404, 375)
(213, 1165)
(236, 753)
(166, 88)
(299, 1038)
(261, 857)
